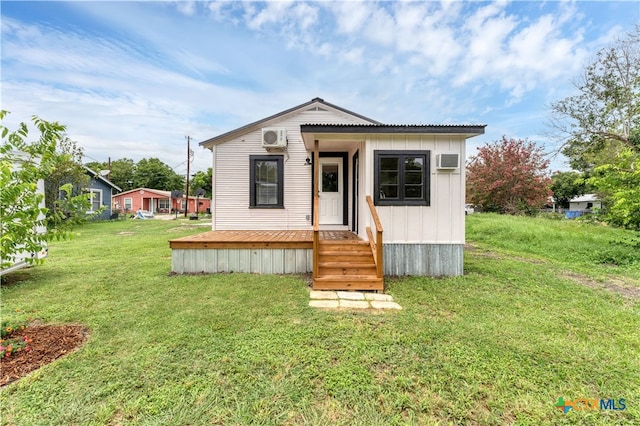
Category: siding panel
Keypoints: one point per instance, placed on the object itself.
(231, 183)
(263, 261)
(443, 220)
(424, 259)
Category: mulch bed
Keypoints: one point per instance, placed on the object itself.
(48, 343)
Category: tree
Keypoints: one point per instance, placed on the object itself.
(568, 185)
(601, 124)
(155, 174)
(619, 183)
(22, 166)
(604, 116)
(508, 176)
(66, 168)
(202, 180)
(122, 172)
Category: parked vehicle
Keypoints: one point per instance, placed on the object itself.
(469, 209)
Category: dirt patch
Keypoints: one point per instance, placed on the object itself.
(182, 228)
(126, 233)
(48, 343)
(493, 255)
(626, 289)
(14, 278)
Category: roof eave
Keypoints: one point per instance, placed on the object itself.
(468, 130)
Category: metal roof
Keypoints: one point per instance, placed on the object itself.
(585, 198)
(393, 128)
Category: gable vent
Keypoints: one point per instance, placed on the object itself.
(447, 161)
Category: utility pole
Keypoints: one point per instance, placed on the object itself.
(186, 204)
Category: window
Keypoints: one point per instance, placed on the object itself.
(266, 181)
(128, 204)
(96, 199)
(163, 204)
(402, 178)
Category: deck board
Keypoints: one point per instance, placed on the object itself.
(255, 239)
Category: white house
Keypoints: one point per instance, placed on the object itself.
(585, 202)
(267, 173)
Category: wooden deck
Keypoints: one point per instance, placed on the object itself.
(296, 239)
(345, 262)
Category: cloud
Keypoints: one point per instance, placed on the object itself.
(203, 68)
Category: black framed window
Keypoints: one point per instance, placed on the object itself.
(401, 178)
(266, 181)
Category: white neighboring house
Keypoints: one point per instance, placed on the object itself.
(264, 176)
(586, 202)
(20, 261)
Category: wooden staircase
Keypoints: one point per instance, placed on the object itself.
(346, 265)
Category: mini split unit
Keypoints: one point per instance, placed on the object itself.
(274, 137)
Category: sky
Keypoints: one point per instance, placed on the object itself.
(134, 79)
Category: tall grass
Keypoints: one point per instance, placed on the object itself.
(586, 246)
(496, 346)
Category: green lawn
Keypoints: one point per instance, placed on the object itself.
(525, 325)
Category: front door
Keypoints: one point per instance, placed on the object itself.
(331, 187)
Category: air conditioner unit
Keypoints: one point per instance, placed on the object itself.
(447, 161)
(274, 137)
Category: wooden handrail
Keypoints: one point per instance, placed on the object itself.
(316, 236)
(374, 213)
(377, 249)
(316, 214)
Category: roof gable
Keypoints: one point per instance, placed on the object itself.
(96, 176)
(317, 104)
(160, 192)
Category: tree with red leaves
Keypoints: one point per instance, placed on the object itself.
(508, 176)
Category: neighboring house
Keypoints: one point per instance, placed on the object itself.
(101, 191)
(585, 202)
(157, 201)
(318, 169)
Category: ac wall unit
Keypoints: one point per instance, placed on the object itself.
(274, 137)
(447, 161)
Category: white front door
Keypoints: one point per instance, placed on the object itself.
(331, 187)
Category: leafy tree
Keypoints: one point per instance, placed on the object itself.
(66, 168)
(619, 183)
(202, 180)
(122, 172)
(568, 185)
(22, 166)
(603, 118)
(508, 176)
(153, 173)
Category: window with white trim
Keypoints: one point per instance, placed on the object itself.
(163, 203)
(128, 203)
(96, 199)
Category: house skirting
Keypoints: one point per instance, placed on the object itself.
(433, 260)
(260, 261)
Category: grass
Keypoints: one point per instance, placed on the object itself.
(496, 346)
